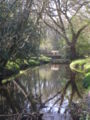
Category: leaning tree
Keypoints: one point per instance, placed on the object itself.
(19, 35)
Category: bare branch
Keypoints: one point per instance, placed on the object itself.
(41, 11)
(70, 23)
(80, 6)
(54, 21)
(59, 11)
(62, 35)
(51, 26)
(80, 30)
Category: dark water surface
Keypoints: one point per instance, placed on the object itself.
(48, 88)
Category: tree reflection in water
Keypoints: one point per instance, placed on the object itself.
(42, 88)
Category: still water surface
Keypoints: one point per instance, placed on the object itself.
(48, 88)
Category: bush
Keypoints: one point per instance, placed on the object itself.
(12, 66)
(87, 68)
(82, 66)
(33, 62)
(86, 81)
(44, 59)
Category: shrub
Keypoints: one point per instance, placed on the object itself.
(33, 62)
(12, 66)
(45, 59)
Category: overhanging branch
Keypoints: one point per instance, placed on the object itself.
(80, 30)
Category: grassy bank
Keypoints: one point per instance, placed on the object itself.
(33, 61)
(14, 67)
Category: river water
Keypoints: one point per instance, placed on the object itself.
(49, 89)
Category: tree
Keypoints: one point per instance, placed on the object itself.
(59, 15)
(19, 35)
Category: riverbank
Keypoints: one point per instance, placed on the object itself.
(41, 89)
(82, 66)
(17, 66)
(81, 110)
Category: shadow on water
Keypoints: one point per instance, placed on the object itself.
(49, 88)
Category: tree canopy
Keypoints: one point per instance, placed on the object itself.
(62, 16)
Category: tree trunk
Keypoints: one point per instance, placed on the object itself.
(73, 53)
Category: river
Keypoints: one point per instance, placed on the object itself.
(49, 89)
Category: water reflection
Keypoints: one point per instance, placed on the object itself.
(55, 67)
(47, 88)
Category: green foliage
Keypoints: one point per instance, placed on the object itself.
(37, 61)
(82, 66)
(19, 61)
(87, 67)
(83, 44)
(44, 59)
(12, 66)
(34, 58)
(19, 64)
(33, 62)
(19, 35)
(77, 65)
(85, 117)
(86, 81)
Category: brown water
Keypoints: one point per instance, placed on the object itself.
(49, 89)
